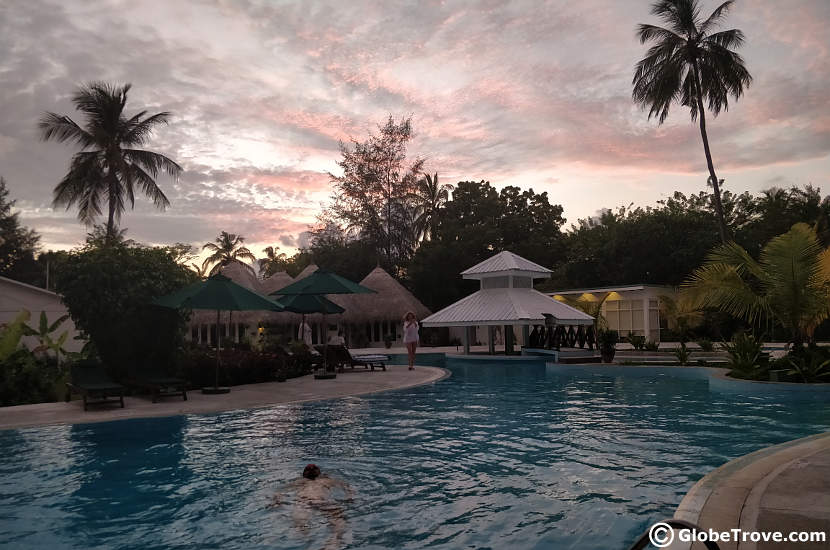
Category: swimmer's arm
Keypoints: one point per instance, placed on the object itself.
(276, 502)
(347, 489)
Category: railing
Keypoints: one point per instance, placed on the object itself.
(646, 538)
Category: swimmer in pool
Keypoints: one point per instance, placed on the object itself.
(315, 493)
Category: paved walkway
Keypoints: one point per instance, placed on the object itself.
(783, 488)
(248, 396)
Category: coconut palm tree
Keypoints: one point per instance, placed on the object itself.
(789, 284)
(429, 197)
(690, 64)
(682, 314)
(111, 166)
(227, 249)
(273, 261)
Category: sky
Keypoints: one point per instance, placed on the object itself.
(528, 93)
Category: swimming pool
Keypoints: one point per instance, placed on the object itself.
(497, 456)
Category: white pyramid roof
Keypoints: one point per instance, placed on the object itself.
(504, 263)
(504, 306)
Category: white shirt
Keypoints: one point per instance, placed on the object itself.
(410, 332)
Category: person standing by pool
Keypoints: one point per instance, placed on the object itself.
(410, 337)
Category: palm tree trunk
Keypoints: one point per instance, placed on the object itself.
(724, 231)
(111, 198)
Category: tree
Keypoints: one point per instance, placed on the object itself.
(109, 291)
(477, 223)
(789, 284)
(372, 199)
(110, 166)
(273, 262)
(18, 244)
(227, 249)
(429, 197)
(333, 249)
(691, 64)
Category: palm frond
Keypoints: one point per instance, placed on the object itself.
(152, 162)
(62, 129)
(715, 17)
(148, 186)
(139, 130)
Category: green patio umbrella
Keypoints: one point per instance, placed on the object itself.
(222, 294)
(318, 284)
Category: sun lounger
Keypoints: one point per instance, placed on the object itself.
(90, 380)
(159, 384)
(342, 357)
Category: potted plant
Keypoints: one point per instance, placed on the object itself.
(607, 344)
(387, 341)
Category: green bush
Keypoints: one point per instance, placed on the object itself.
(809, 365)
(198, 367)
(607, 340)
(25, 378)
(682, 353)
(651, 346)
(746, 357)
(705, 345)
(637, 341)
(109, 289)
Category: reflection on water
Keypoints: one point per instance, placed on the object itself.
(496, 456)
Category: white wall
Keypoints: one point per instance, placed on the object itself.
(16, 297)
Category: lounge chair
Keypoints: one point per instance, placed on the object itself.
(341, 356)
(90, 380)
(159, 384)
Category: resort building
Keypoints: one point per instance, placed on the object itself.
(370, 320)
(506, 306)
(626, 309)
(16, 296)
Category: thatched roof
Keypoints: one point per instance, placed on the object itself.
(276, 281)
(309, 269)
(391, 302)
(241, 275)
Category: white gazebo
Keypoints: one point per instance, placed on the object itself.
(506, 298)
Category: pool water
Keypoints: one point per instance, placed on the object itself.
(500, 456)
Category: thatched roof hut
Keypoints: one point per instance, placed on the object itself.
(391, 302)
(309, 269)
(241, 275)
(276, 281)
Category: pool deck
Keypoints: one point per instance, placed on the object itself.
(782, 488)
(248, 396)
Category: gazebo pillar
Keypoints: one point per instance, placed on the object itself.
(466, 340)
(491, 339)
(525, 335)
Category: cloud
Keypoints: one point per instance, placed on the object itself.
(261, 93)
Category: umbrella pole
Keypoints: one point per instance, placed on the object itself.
(325, 343)
(218, 349)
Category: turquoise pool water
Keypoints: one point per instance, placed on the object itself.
(498, 456)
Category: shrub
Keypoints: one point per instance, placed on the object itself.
(607, 340)
(746, 357)
(198, 366)
(109, 290)
(651, 346)
(637, 341)
(682, 353)
(706, 345)
(809, 365)
(24, 376)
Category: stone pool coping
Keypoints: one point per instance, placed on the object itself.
(248, 396)
(780, 488)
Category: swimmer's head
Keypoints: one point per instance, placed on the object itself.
(311, 471)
